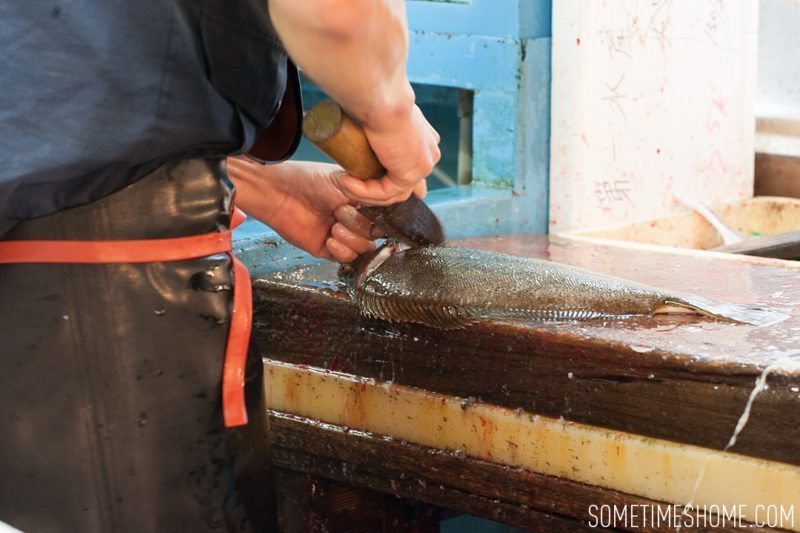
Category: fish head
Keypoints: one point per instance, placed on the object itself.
(353, 274)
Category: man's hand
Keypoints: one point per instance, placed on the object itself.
(356, 51)
(409, 149)
(304, 204)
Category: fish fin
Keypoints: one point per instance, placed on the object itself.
(396, 310)
(745, 314)
(677, 309)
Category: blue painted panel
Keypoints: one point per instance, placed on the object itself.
(522, 19)
(536, 19)
(466, 62)
(532, 183)
(494, 136)
(494, 69)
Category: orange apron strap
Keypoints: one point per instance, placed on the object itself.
(164, 250)
(131, 251)
(234, 410)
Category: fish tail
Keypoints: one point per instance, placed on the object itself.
(745, 314)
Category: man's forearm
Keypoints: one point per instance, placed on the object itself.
(356, 50)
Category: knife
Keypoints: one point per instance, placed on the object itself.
(331, 130)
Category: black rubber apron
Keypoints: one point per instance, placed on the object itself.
(110, 390)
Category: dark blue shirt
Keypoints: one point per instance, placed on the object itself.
(96, 93)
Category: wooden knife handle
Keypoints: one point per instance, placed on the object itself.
(332, 131)
(342, 139)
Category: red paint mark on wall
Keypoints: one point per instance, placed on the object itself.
(716, 161)
(716, 119)
(721, 104)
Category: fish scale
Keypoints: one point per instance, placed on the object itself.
(451, 287)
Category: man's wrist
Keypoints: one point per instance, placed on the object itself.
(258, 193)
(394, 108)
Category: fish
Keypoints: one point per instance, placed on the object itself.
(450, 287)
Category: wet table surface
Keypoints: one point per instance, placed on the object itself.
(690, 373)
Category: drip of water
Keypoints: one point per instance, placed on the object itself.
(785, 364)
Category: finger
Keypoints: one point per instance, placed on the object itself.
(421, 190)
(367, 201)
(349, 187)
(375, 191)
(430, 128)
(339, 251)
(434, 133)
(320, 252)
(353, 220)
(355, 242)
(437, 154)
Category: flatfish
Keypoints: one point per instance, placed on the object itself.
(451, 287)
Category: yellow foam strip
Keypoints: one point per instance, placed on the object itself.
(652, 468)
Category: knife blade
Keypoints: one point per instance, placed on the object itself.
(331, 130)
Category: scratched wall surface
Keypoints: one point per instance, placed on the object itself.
(649, 98)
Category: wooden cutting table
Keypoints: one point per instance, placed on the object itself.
(532, 424)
